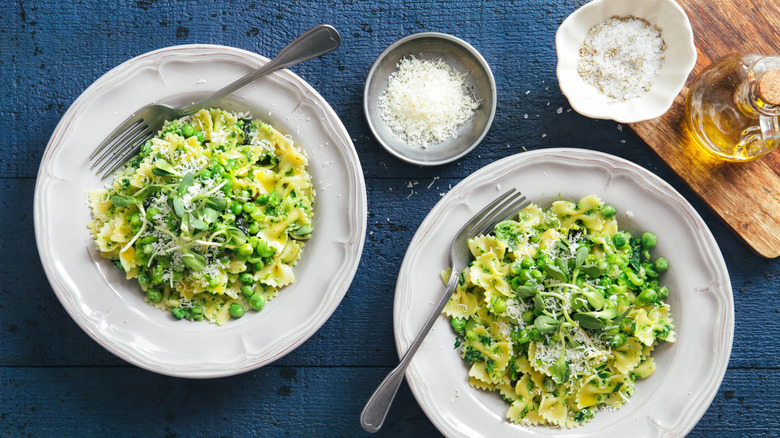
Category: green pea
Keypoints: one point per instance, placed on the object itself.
(178, 312)
(236, 311)
(247, 290)
(187, 130)
(522, 336)
(661, 265)
(151, 213)
(607, 211)
(144, 279)
(527, 262)
(617, 340)
(528, 316)
(459, 325)
(263, 250)
(257, 266)
(236, 208)
(246, 278)
(262, 199)
(245, 250)
(536, 335)
(257, 301)
(153, 295)
(253, 228)
(649, 240)
(525, 275)
(206, 174)
(619, 240)
(135, 219)
(663, 292)
(633, 278)
(646, 297)
(499, 306)
(515, 268)
(197, 312)
(254, 241)
(250, 207)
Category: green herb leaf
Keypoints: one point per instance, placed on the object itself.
(526, 291)
(587, 321)
(608, 313)
(555, 273)
(622, 315)
(123, 201)
(237, 236)
(562, 244)
(582, 254)
(209, 215)
(146, 191)
(594, 298)
(198, 224)
(163, 167)
(560, 370)
(591, 271)
(546, 324)
(194, 260)
(186, 182)
(538, 303)
(216, 203)
(178, 207)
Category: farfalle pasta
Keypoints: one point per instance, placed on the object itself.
(210, 217)
(559, 312)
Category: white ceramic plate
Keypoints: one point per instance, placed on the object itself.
(680, 58)
(670, 402)
(111, 309)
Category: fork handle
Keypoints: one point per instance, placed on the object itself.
(377, 407)
(316, 42)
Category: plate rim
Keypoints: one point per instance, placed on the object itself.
(333, 125)
(417, 383)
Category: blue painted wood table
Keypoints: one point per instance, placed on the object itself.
(56, 381)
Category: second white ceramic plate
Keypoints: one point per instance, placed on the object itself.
(668, 403)
(110, 308)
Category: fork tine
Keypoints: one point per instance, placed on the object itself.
(120, 142)
(120, 131)
(502, 212)
(125, 151)
(487, 210)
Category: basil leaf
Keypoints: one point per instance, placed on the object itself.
(186, 182)
(123, 201)
(587, 321)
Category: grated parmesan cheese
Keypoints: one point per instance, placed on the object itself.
(426, 101)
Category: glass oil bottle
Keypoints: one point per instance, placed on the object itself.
(733, 107)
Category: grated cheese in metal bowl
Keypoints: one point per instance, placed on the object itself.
(622, 57)
(425, 101)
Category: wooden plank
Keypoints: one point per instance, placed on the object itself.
(746, 196)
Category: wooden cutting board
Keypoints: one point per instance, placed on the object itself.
(746, 196)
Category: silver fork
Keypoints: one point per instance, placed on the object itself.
(377, 407)
(126, 140)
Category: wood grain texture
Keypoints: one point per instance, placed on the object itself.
(746, 196)
(56, 381)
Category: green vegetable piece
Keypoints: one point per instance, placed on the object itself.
(594, 298)
(459, 325)
(245, 249)
(247, 290)
(587, 321)
(546, 324)
(528, 316)
(562, 244)
(526, 291)
(178, 312)
(236, 236)
(163, 168)
(536, 335)
(257, 301)
(617, 340)
(661, 265)
(555, 273)
(591, 271)
(209, 215)
(522, 336)
(499, 306)
(123, 201)
(263, 250)
(236, 311)
(608, 313)
(178, 206)
(538, 303)
(153, 295)
(186, 182)
(646, 297)
(560, 370)
(582, 254)
(619, 240)
(194, 260)
(197, 223)
(608, 211)
(649, 240)
(217, 203)
(662, 292)
(246, 278)
(187, 130)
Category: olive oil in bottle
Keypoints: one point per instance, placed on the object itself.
(733, 107)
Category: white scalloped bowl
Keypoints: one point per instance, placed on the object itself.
(680, 58)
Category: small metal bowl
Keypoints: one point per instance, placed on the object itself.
(461, 57)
